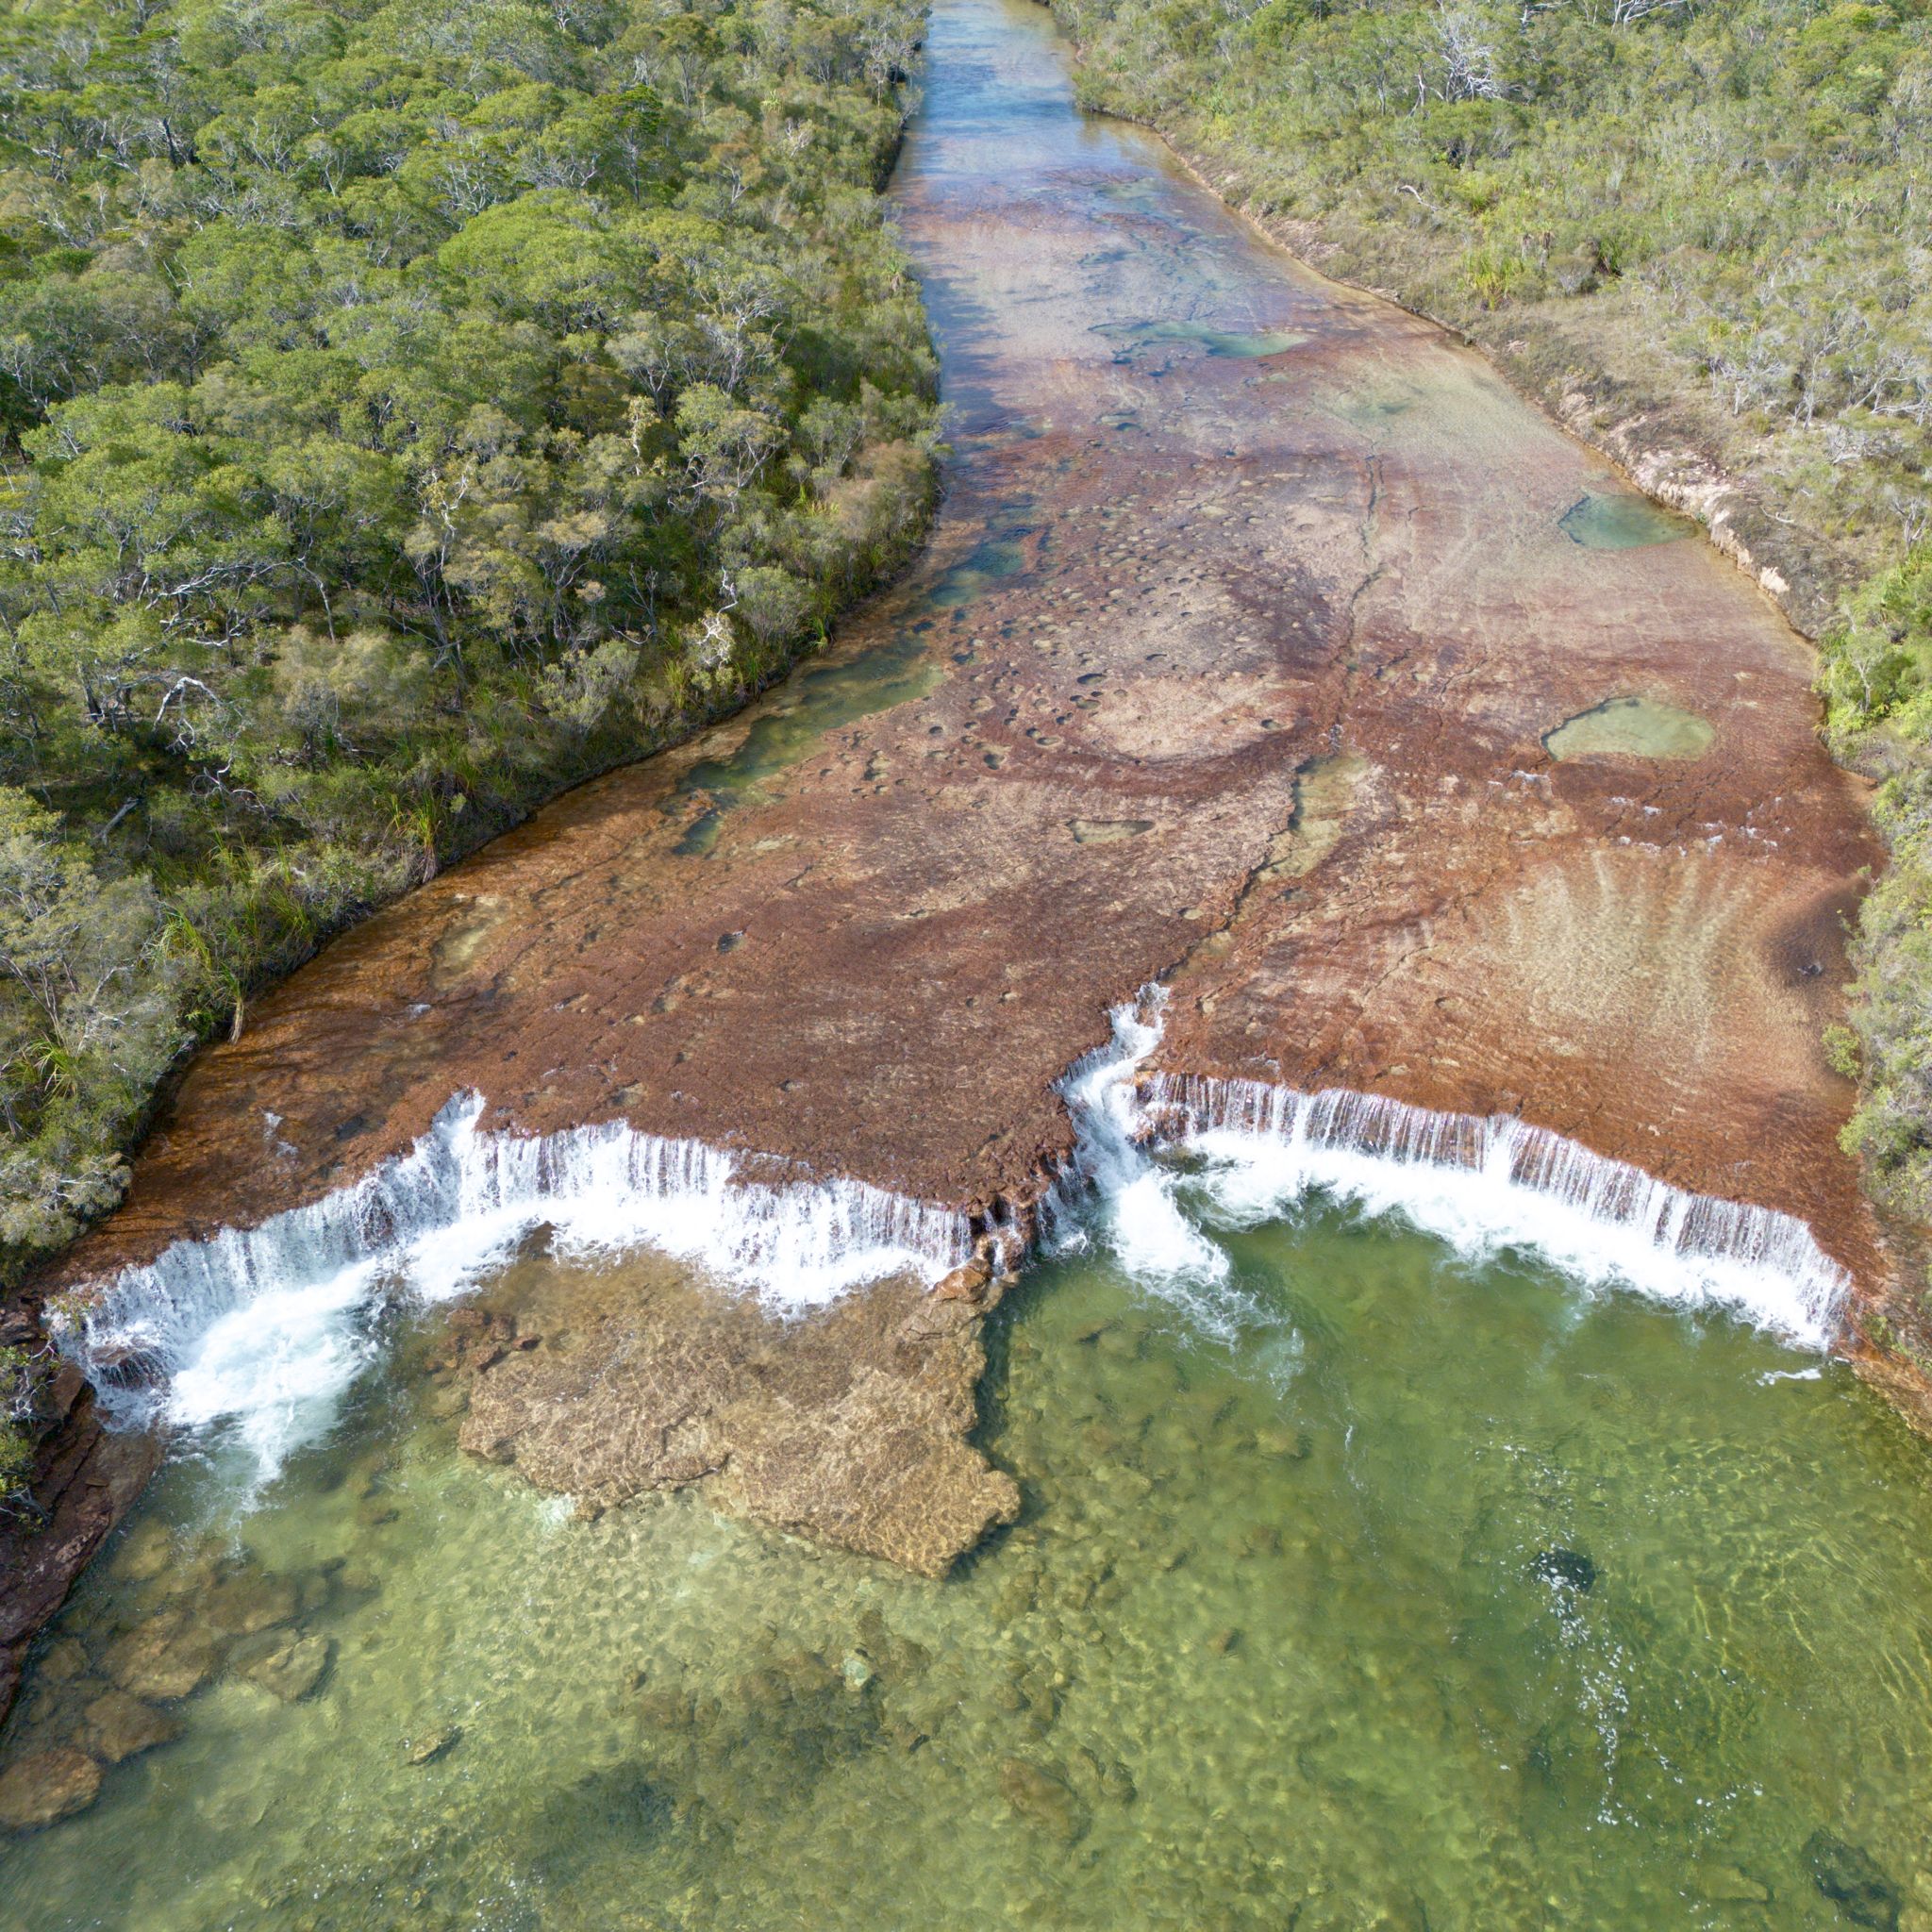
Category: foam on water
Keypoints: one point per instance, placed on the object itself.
(1137, 1209)
(255, 1334)
(260, 1331)
(1134, 1208)
(1482, 1184)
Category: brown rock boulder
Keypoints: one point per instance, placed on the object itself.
(291, 1668)
(247, 1600)
(1044, 1799)
(168, 1657)
(967, 1284)
(116, 1726)
(46, 1787)
(432, 1746)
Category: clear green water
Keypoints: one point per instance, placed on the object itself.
(786, 730)
(1001, 553)
(1281, 1640)
(793, 724)
(1631, 727)
(1621, 521)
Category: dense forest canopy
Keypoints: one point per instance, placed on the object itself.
(409, 408)
(1721, 206)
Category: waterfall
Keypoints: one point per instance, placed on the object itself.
(258, 1331)
(1130, 1200)
(263, 1328)
(1481, 1183)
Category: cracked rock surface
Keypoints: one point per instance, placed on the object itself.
(847, 1427)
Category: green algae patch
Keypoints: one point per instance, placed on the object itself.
(1630, 729)
(987, 565)
(1621, 519)
(1238, 344)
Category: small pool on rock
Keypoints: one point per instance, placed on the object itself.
(1621, 519)
(1630, 729)
(818, 700)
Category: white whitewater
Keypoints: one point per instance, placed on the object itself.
(262, 1329)
(255, 1333)
(1481, 1184)
(1134, 1206)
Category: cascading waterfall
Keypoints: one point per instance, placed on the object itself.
(1134, 1205)
(261, 1329)
(1480, 1183)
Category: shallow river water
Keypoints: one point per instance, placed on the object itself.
(1366, 1585)
(1363, 1579)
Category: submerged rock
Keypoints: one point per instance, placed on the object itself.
(291, 1668)
(1730, 1885)
(1566, 1569)
(248, 1601)
(48, 1786)
(1044, 1799)
(848, 1426)
(1853, 1881)
(431, 1746)
(64, 1661)
(116, 1726)
(46, 1706)
(738, 1750)
(168, 1657)
(146, 1551)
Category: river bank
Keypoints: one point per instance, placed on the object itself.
(1660, 441)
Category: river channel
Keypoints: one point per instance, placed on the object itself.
(1419, 1520)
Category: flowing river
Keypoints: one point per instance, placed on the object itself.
(1404, 1538)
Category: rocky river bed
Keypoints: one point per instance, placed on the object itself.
(1255, 612)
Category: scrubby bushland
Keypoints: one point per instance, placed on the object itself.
(408, 408)
(1717, 206)
(1878, 684)
(23, 1375)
